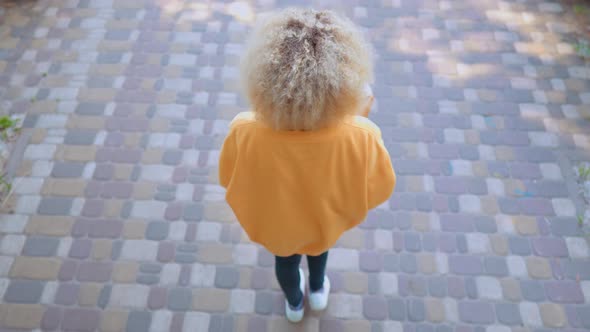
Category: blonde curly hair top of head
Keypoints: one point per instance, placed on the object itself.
(305, 69)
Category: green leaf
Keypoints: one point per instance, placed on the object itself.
(580, 9)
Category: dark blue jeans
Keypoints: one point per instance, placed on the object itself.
(287, 271)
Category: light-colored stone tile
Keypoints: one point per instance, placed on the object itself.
(139, 250)
(489, 288)
(196, 321)
(343, 259)
(129, 296)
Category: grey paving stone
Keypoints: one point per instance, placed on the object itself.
(80, 137)
(90, 108)
(437, 286)
(495, 266)
(519, 245)
(138, 321)
(67, 170)
(416, 310)
(104, 296)
(185, 258)
(150, 268)
(24, 291)
(179, 299)
(148, 279)
(471, 288)
(221, 323)
(193, 212)
(55, 206)
(226, 277)
(40, 246)
(264, 303)
(412, 241)
(390, 263)
(397, 309)
(408, 263)
(485, 225)
(157, 231)
(476, 312)
(465, 264)
(172, 157)
(532, 290)
(508, 313)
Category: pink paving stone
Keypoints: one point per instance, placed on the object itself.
(259, 324)
(104, 172)
(398, 241)
(123, 110)
(114, 139)
(374, 307)
(93, 208)
(95, 271)
(132, 83)
(117, 190)
(81, 227)
(126, 156)
(133, 124)
(564, 291)
(51, 318)
(198, 194)
(336, 281)
(173, 212)
(440, 203)
(260, 279)
(105, 228)
(331, 325)
(208, 127)
(456, 287)
(203, 158)
(186, 142)
(157, 298)
(180, 174)
(370, 261)
(80, 248)
(80, 320)
(142, 71)
(177, 322)
(92, 189)
(136, 96)
(185, 275)
(166, 252)
(67, 294)
(447, 242)
(191, 232)
(192, 113)
(550, 247)
(103, 155)
(67, 270)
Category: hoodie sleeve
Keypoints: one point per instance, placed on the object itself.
(227, 159)
(380, 174)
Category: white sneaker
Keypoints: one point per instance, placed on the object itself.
(318, 300)
(295, 315)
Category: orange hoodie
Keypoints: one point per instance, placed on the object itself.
(296, 192)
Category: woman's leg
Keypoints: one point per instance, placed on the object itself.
(287, 272)
(317, 271)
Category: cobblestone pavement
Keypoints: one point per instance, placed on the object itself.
(119, 224)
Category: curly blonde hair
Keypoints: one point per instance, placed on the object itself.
(305, 69)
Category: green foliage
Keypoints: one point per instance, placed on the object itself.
(580, 9)
(583, 173)
(7, 124)
(583, 49)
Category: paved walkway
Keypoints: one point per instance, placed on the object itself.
(119, 224)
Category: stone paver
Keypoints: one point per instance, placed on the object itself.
(118, 223)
